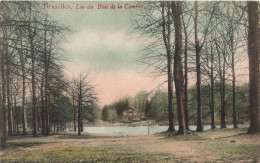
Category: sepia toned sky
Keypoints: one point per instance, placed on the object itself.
(101, 43)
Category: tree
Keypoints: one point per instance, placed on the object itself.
(140, 100)
(60, 112)
(109, 114)
(178, 67)
(2, 138)
(85, 97)
(159, 105)
(167, 42)
(253, 55)
(197, 47)
(185, 25)
(2, 97)
(6, 32)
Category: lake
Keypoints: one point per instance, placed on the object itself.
(138, 130)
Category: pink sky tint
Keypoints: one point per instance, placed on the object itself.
(115, 85)
(120, 84)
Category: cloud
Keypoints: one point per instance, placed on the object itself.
(104, 50)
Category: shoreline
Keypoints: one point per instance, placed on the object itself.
(144, 123)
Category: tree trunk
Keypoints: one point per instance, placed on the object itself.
(178, 67)
(74, 111)
(1, 119)
(167, 43)
(186, 97)
(199, 106)
(79, 108)
(34, 98)
(38, 115)
(43, 108)
(31, 39)
(79, 125)
(47, 91)
(47, 109)
(17, 128)
(8, 87)
(223, 87)
(253, 55)
(221, 95)
(15, 122)
(23, 93)
(234, 94)
(3, 82)
(2, 98)
(212, 110)
(233, 79)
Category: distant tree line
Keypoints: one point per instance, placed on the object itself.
(156, 105)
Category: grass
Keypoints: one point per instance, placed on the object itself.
(26, 141)
(84, 154)
(174, 136)
(236, 151)
(215, 145)
(185, 138)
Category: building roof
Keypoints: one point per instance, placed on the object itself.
(130, 107)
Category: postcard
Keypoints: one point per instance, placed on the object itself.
(129, 81)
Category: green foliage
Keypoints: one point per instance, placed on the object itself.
(159, 106)
(28, 113)
(96, 113)
(91, 113)
(109, 114)
(17, 114)
(140, 101)
(242, 103)
(61, 108)
(148, 108)
(120, 105)
(112, 112)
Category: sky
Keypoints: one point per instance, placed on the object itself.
(102, 44)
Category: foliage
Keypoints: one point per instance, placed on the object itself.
(159, 106)
(109, 114)
(113, 111)
(61, 109)
(91, 113)
(242, 103)
(140, 101)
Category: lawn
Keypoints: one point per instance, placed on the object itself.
(217, 145)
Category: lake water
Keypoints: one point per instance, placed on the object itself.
(129, 130)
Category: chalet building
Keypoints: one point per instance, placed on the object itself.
(131, 114)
